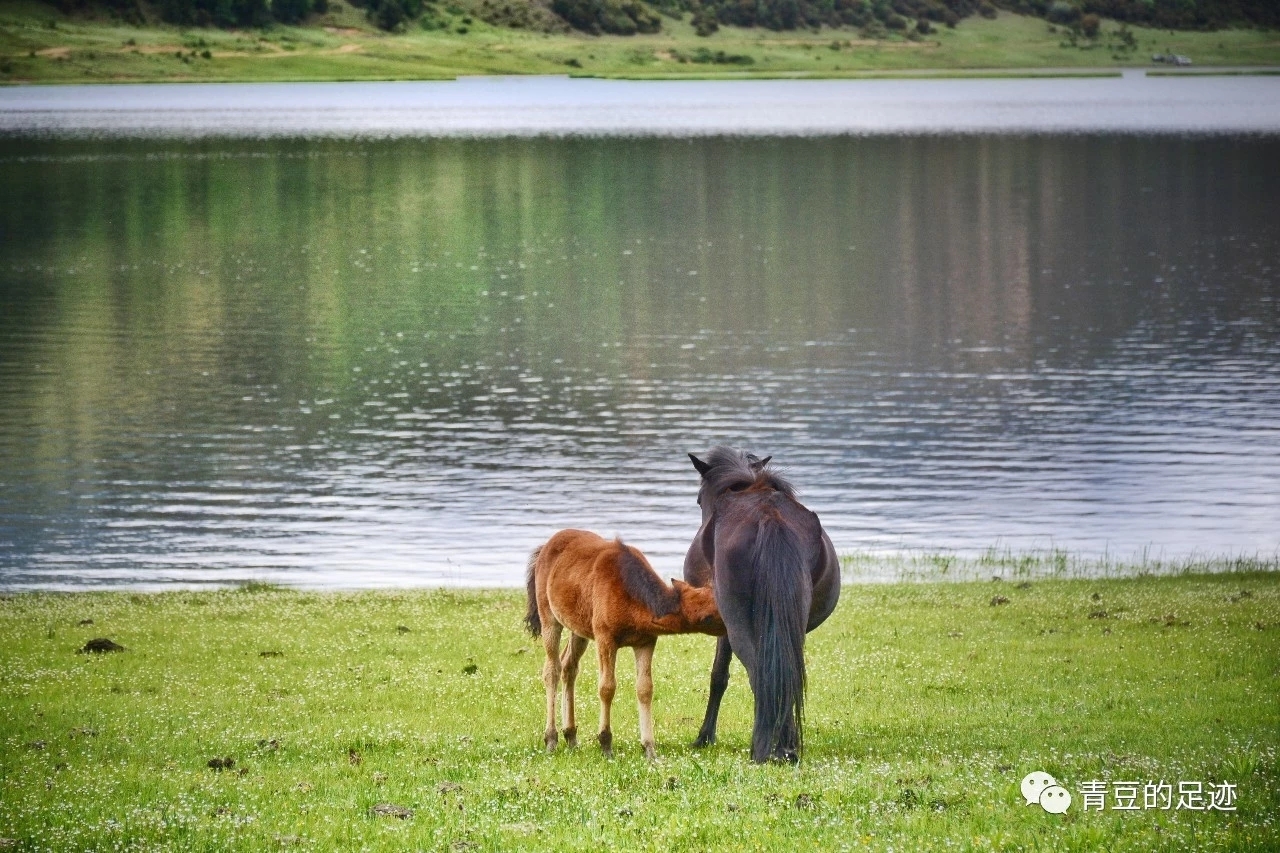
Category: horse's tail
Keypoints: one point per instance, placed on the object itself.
(531, 617)
(781, 596)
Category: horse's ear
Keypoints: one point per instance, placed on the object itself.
(758, 464)
(708, 541)
(678, 585)
(702, 467)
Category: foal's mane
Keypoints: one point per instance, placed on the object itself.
(643, 584)
(733, 470)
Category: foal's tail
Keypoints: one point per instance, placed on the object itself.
(531, 617)
(781, 596)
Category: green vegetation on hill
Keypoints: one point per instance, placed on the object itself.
(627, 17)
(1165, 14)
(265, 719)
(40, 45)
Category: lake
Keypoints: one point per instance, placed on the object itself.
(342, 361)
(1128, 103)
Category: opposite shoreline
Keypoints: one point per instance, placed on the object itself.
(344, 46)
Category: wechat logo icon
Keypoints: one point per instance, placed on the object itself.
(1040, 787)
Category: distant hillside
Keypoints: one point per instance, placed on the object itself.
(625, 17)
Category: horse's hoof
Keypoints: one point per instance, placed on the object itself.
(571, 738)
(550, 740)
(703, 741)
(650, 753)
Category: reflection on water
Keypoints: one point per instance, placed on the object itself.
(408, 362)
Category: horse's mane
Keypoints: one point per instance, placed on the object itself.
(643, 584)
(730, 469)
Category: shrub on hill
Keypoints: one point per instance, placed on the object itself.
(390, 14)
(619, 17)
(521, 15)
(216, 13)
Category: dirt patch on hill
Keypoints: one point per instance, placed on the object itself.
(154, 48)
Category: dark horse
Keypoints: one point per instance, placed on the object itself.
(776, 577)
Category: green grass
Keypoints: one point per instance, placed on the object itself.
(927, 705)
(37, 44)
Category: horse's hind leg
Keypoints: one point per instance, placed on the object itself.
(644, 695)
(551, 677)
(607, 653)
(719, 682)
(569, 664)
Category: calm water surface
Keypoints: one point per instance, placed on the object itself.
(355, 363)
(551, 106)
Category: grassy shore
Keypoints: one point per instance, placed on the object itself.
(927, 704)
(37, 44)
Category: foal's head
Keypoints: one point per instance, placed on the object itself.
(727, 471)
(698, 608)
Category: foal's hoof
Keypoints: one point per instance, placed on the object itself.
(606, 742)
(571, 737)
(650, 753)
(550, 740)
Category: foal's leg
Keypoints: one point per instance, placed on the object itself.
(719, 681)
(644, 694)
(569, 664)
(551, 677)
(607, 652)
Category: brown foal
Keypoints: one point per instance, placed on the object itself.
(606, 591)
